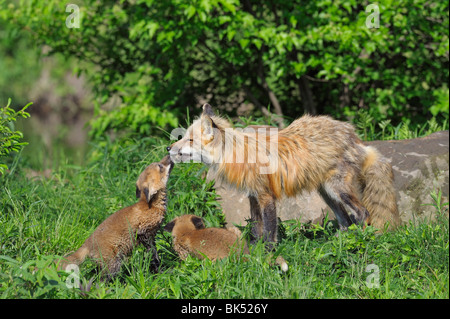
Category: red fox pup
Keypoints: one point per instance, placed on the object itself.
(313, 153)
(190, 237)
(116, 237)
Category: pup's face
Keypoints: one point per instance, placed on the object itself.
(184, 223)
(154, 178)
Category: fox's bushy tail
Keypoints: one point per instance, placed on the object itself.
(379, 195)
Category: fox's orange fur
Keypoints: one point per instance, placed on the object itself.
(117, 235)
(190, 237)
(313, 153)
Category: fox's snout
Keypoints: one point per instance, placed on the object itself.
(172, 153)
(177, 152)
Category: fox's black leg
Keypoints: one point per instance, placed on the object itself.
(340, 195)
(256, 219)
(338, 210)
(358, 213)
(269, 218)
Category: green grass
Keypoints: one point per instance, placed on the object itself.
(44, 218)
(370, 130)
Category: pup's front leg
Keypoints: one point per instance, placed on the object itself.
(149, 243)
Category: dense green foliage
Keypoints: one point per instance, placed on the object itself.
(10, 139)
(44, 218)
(19, 64)
(160, 57)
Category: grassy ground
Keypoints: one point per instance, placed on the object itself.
(44, 218)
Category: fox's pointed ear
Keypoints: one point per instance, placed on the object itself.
(138, 192)
(169, 227)
(198, 222)
(149, 194)
(207, 125)
(207, 110)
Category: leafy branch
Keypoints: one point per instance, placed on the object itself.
(9, 137)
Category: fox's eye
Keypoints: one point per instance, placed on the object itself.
(191, 140)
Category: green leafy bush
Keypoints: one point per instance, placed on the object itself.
(291, 57)
(441, 103)
(9, 137)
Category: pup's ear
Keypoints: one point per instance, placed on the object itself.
(169, 226)
(207, 110)
(149, 193)
(138, 192)
(198, 222)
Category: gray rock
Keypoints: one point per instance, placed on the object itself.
(420, 166)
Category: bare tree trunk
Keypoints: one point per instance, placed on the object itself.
(273, 98)
(264, 110)
(309, 104)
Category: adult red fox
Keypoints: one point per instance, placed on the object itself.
(313, 153)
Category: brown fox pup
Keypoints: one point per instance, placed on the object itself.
(117, 235)
(313, 153)
(190, 237)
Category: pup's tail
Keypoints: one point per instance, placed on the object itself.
(75, 258)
